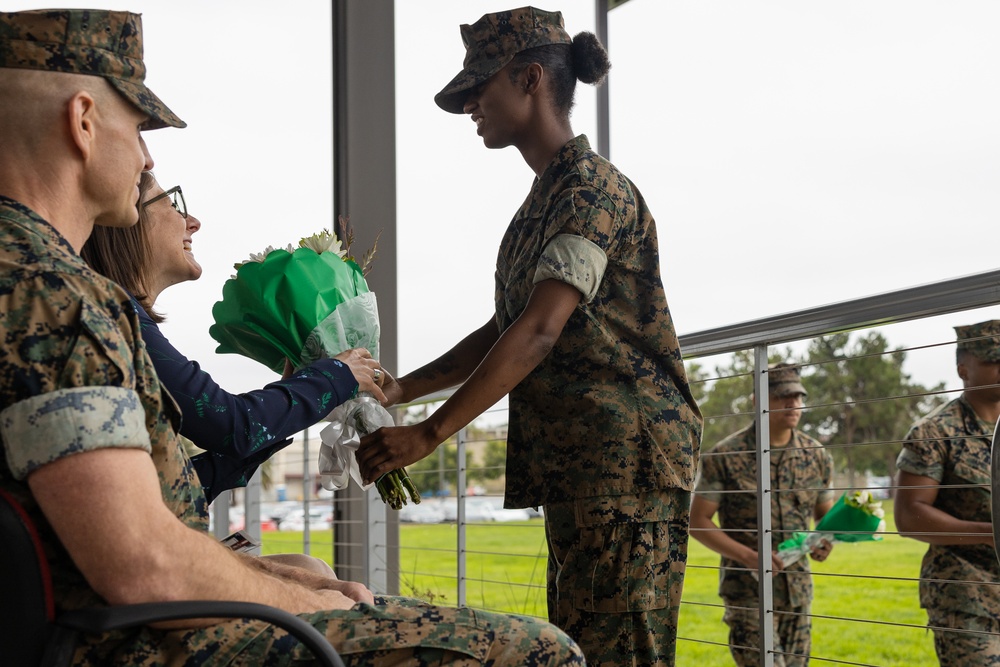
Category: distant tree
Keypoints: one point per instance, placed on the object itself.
(494, 459)
(861, 401)
(726, 398)
(698, 380)
(437, 472)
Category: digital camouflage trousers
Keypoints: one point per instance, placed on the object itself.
(615, 579)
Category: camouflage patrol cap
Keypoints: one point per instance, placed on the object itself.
(85, 41)
(784, 380)
(493, 41)
(980, 340)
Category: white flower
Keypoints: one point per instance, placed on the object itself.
(323, 242)
(259, 256)
(863, 501)
(318, 243)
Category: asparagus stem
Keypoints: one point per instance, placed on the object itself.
(394, 485)
(408, 484)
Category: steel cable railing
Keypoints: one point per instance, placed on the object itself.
(817, 618)
(455, 560)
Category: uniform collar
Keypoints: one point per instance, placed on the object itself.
(568, 154)
(18, 214)
(794, 444)
(554, 172)
(973, 424)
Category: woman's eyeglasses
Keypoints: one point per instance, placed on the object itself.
(176, 200)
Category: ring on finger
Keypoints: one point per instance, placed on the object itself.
(378, 374)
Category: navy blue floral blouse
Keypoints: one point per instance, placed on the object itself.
(241, 431)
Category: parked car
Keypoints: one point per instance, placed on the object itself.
(475, 512)
(276, 511)
(500, 513)
(479, 509)
(427, 511)
(237, 518)
(535, 512)
(320, 518)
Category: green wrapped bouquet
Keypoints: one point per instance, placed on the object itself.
(304, 304)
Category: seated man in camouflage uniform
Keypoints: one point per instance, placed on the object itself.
(727, 484)
(89, 437)
(943, 467)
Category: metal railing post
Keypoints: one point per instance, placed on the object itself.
(603, 91)
(306, 492)
(460, 500)
(995, 483)
(220, 515)
(251, 516)
(375, 534)
(764, 494)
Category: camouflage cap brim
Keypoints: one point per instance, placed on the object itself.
(147, 101)
(452, 97)
(783, 389)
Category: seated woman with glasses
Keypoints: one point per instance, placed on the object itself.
(238, 431)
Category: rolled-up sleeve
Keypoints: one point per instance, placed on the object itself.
(48, 427)
(922, 453)
(575, 261)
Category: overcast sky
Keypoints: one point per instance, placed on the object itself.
(794, 154)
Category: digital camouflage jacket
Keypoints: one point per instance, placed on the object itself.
(609, 410)
(952, 445)
(801, 472)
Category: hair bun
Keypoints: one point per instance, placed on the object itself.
(590, 59)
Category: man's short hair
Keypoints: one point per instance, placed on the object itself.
(95, 42)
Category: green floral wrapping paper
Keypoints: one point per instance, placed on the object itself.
(271, 309)
(353, 324)
(855, 517)
(302, 305)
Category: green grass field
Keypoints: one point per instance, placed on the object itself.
(862, 619)
(845, 589)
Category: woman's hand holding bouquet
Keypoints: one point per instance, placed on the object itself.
(363, 367)
(302, 304)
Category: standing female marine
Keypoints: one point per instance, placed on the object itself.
(603, 429)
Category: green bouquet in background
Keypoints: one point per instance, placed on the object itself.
(304, 304)
(855, 517)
